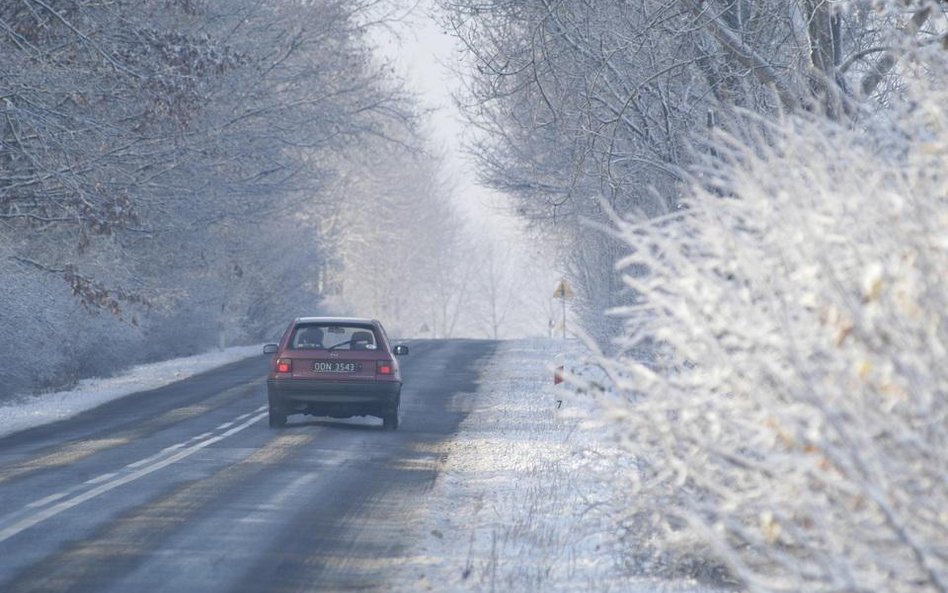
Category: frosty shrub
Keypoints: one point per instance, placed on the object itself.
(49, 340)
(792, 425)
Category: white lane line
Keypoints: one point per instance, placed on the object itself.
(224, 425)
(249, 414)
(47, 500)
(164, 452)
(101, 478)
(65, 505)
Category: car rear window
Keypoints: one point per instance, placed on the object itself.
(336, 337)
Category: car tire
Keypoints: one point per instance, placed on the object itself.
(277, 417)
(390, 419)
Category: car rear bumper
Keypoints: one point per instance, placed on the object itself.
(333, 398)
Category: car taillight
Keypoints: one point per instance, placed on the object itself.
(384, 367)
(284, 365)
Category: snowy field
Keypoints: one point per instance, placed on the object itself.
(517, 505)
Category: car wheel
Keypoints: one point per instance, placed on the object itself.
(277, 417)
(390, 419)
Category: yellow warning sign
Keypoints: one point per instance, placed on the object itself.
(563, 290)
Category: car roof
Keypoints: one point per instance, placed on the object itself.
(340, 320)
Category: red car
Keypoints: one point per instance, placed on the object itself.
(334, 366)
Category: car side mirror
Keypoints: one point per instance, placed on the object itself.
(270, 348)
(400, 350)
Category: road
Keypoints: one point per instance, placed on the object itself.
(184, 488)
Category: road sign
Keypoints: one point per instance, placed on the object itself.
(563, 290)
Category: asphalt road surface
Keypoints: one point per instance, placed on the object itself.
(185, 488)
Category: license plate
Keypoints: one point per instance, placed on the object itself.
(336, 366)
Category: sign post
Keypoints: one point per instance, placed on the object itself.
(563, 292)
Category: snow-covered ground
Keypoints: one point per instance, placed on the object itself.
(520, 503)
(89, 393)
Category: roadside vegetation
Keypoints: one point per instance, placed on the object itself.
(181, 175)
(792, 422)
(756, 202)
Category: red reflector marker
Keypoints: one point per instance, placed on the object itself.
(384, 368)
(558, 375)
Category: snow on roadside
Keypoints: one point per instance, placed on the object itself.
(514, 507)
(33, 411)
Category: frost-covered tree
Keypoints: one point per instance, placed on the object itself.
(791, 421)
(582, 104)
(160, 156)
(308, 93)
(398, 246)
(96, 100)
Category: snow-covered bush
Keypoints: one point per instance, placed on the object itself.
(50, 340)
(793, 426)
